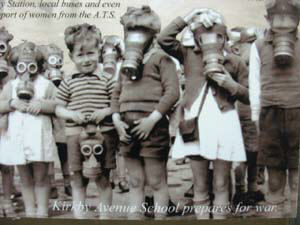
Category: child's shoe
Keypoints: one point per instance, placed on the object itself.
(190, 192)
(123, 186)
(53, 193)
(8, 209)
(68, 190)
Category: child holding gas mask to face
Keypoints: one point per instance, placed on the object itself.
(209, 130)
(27, 140)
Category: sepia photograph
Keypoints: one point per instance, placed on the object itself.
(143, 110)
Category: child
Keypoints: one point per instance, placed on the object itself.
(147, 89)
(86, 94)
(215, 93)
(27, 140)
(111, 59)
(241, 39)
(6, 73)
(274, 94)
(53, 64)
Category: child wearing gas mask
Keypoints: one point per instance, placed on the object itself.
(6, 73)
(52, 71)
(210, 128)
(27, 140)
(84, 97)
(240, 39)
(147, 89)
(274, 94)
(112, 51)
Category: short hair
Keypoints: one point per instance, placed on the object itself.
(82, 35)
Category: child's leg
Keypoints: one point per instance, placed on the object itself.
(41, 187)
(293, 184)
(221, 187)
(51, 174)
(79, 184)
(105, 192)
(27, 188)
(7, 183)
(63, 159)
(240, 174)
(199, 168)
(137, 183)
(252, 171)
(156, 174)
(275, 196)
(122, 174)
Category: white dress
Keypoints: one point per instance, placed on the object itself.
(220, 135)
(28, 138)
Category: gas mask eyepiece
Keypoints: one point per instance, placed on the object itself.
(3, 47)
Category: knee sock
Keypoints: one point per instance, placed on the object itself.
(42, 198)
(29, 200)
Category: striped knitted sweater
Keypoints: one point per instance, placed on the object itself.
(87, 93)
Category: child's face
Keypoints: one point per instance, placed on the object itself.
(85, 58)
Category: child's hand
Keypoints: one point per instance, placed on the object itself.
(19, 105)
(224, 80)
(77, 117)
(34, 107)
(121, 128)
(145, 125)
(98, 116)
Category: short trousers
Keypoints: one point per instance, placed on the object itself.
(157, 145)
(279, 138)
(250, 135)
(75, 158)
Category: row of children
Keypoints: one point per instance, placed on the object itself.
(134, 109)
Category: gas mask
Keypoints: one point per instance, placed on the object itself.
(92, 149)
(3, 52)
(284, 19)
(25, 88)
(210, 41)
(53, 71)
(112, 51)
(137, 42)
(110, 58)
(140, 27)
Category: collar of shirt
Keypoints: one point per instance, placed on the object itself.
(98, 73)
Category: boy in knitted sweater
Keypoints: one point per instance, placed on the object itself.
(147, 89)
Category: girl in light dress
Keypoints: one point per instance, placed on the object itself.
(26, 105)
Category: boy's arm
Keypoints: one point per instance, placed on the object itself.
(48, 104)
(167, 38)
(240, 92)
(170, 83)
(5, 99)
(116, 92)
(105, 113)
(254, 82)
